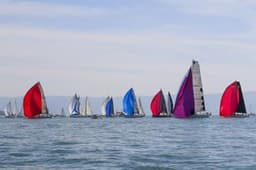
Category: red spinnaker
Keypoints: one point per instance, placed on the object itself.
(32, 101)
(155, 104)
(230, 100)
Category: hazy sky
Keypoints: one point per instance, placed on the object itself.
(104, 47)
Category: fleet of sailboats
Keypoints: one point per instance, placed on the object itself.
(189, 102)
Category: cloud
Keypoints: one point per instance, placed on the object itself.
(109, 63)
(213, 7)
(43, 9)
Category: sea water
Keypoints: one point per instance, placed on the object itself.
(121, 143)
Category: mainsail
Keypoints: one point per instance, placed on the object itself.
(88, 108)
(169, 103)
(232, 100)
(140, 107)
(34, 102)
(197, 87)
(158, 104)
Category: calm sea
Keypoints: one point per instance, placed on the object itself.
(119, 143)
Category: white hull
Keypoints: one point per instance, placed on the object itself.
(240, 115)
(203, 114)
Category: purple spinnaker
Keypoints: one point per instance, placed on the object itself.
(184, 104)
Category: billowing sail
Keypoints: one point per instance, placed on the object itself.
(129, 101)
(158, 104)
(184, 104)
(169, 103)
(34, 102)
(232, 100)
(74, 106)
(197, 87)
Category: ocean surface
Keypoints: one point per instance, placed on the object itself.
(122, 143)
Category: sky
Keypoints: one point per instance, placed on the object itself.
(104, 47)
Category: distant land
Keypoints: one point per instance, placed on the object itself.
(55, 103)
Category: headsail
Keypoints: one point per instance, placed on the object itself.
(129, 101)
(232, 100)
(34, 102)
(184, 104)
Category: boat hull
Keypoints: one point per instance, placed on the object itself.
(135, 116)
(201, 115)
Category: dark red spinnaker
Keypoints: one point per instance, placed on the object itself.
(232, 100)
(34, 101)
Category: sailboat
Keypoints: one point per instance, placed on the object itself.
(107, 108)
(62, 112)
(87, 112)
(34, 103)
(232, 101)
(158, 105)
(8, 111)
(132, 107)
(74, 106)
(190, 98)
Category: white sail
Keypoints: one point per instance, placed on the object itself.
(44, 105)
(103, 106)
(8, 110)
(15, 111)
(88, 109)
(140, 108)
(197, 87)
